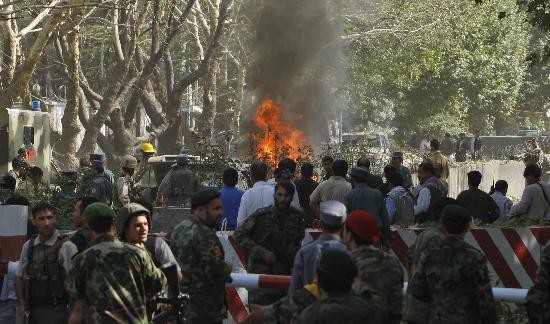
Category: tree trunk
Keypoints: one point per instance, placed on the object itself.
(67, 147)
(205, 123)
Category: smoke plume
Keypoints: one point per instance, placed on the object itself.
(296, 58)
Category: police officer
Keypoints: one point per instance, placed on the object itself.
(124, 189)
(44, 263)
(114, 280)
(271, 237)
(333, 216)
(201, 256)
(335, 275)
(178, 185)
(101, 184)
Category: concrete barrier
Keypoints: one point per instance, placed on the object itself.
(511, 171)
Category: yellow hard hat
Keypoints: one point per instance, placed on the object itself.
(147, 148)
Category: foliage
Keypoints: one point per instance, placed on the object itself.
(437, 66)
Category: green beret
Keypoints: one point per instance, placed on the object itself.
(203, 197)
(97, 211)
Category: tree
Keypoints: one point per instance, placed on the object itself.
(440, 65)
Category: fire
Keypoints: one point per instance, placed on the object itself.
(276, 139)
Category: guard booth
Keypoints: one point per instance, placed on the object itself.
(166, 218)
(30, 129)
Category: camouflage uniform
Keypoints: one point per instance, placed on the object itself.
(178, 186)
(453, 278)
(283, 310)
(115, 280)
(381, 280)
(201, 257)
(415, 310)
(146, 181)
(124, 191)
(270, 229)
(345, 308)
(538, 297)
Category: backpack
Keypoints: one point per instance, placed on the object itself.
(404, 208)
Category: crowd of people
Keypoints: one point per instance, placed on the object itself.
(111, 269)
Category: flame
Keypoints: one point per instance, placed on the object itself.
(276, 139)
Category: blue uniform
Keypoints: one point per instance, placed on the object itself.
(307, 258)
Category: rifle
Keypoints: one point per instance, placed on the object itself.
(176, 299)
(26, 296)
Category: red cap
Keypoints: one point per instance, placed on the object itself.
(364, 225)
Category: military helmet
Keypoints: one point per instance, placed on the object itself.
(125, 213)
(129, 162)
(147, 148)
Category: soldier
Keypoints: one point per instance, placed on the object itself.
(144, 177)
(18, 171)
(283, 310)
(333, 216)
(414, 311)
(124, 190)
(271, 237)
(111, 281)
(201, 257)
(335, 275)
(538, 297)
(101, 185)
(437, 158)
(32, 183)
(533, 154)
(453, 276)
(178, 185)
(83, 236)
(44, 263)
(133, 225)
(380, 273)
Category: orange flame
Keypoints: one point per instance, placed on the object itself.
(276, 139)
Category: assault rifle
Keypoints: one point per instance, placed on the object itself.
(176, 299)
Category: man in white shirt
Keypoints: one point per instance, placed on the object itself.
(259, 196)
(535, 201)
(499, 196)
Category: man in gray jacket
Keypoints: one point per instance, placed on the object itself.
(535, 201)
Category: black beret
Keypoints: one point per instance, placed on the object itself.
(337, 264)
(203, 197)
(456, 213)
